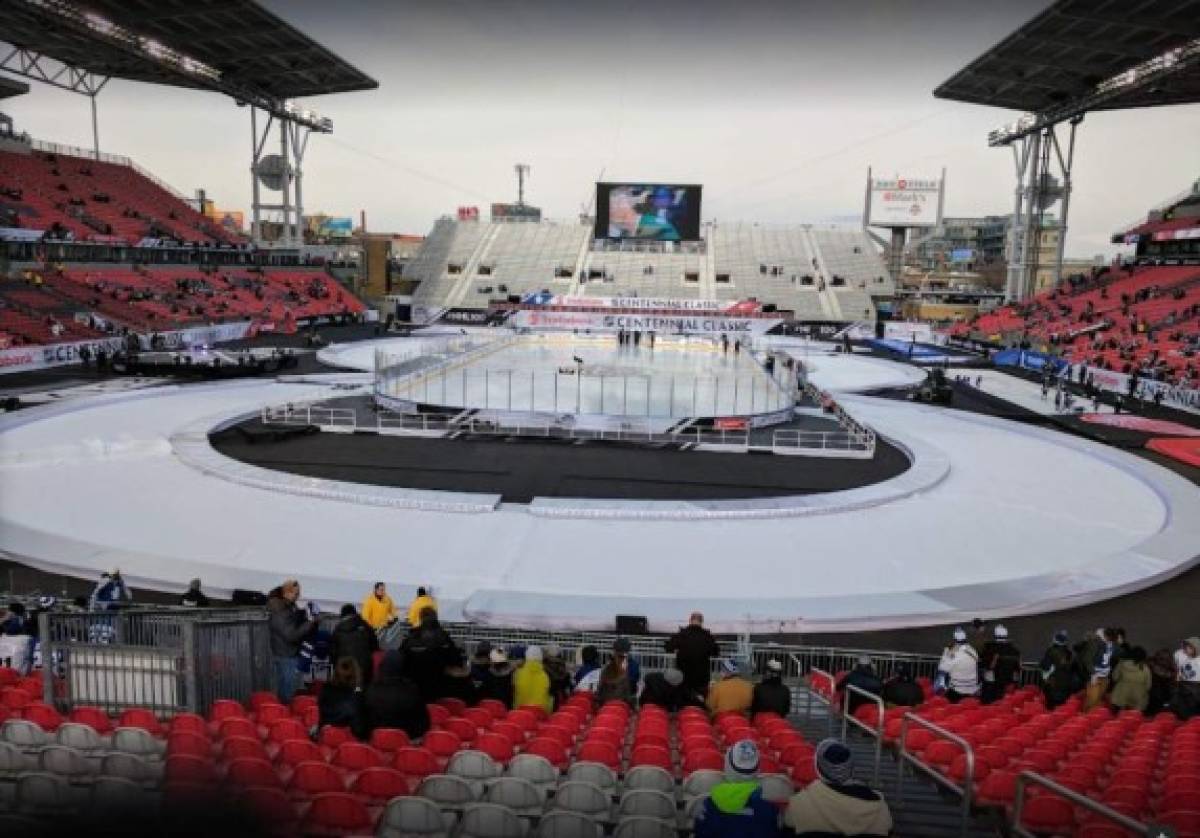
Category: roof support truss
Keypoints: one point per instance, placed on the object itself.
(33, 65)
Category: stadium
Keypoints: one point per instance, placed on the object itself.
(894, 453)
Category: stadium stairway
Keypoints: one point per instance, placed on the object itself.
(927, 811)
(827, 297)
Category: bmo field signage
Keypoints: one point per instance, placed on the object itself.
(904, 202)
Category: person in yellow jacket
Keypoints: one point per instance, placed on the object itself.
(378, 609)
(531, 684)
(423, 601)
(732, 692)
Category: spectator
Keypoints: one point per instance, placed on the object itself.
(622, 647)
(902, 690)
(340, 703)
(1162, 681)
(393, 699)
(1000, 665)
(736, 808)
(668, 690)
(864, 677)
(1186, 702)
(1062, 674)
(556, 671)
(694, 648)
(732, 693)
(459, 682)
(531, 684)
(288, 626)
(354, 639)
(378, 609)
(1131, 679)
(959, 668)
(613, 680)
(771, 695)
(979, 637)
(194, 597)
(1102, 663)
(587, 676)
(110, 592)
(15, 623)
(836, 804)
(497, 682)
(480, 661)
(428, 650)
(423, 601)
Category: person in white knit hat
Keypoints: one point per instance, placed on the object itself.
(959, 667)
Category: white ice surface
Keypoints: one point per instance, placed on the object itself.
(1025, 520)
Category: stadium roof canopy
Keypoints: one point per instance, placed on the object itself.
(1082, 55)
(235, 47)
(12, 87)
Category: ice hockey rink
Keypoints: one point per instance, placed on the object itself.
(128, 479)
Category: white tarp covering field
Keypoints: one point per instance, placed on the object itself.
(994, 518)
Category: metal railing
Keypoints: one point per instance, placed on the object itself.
(787, 440)
(1026, 778)
(169, 660)
(849, 718)
(903, 755)
(813, 674)
(326, 418)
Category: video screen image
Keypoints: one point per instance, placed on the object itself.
(651, 212)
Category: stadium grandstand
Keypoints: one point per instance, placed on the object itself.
(506, 568)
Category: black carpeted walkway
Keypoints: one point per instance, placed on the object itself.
(520, 469)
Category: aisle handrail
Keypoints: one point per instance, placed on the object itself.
(903, 755)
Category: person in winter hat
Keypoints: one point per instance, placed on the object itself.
(736, 808)
(960, 667)
(836, 804)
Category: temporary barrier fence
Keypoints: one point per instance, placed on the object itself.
(167, 660)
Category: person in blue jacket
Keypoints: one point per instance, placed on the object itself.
(736, 808)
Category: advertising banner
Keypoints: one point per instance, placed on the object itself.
(904, 202)
(648, 303)
(690, 324)
(20, 234)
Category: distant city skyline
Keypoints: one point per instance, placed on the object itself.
(777, 108)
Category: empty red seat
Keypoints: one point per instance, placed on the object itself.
(1048, 813)
(479, 717)
(43, 715)
(12, 698)
(240, 747)
(560, 734)
(336, 813)
(9, 677)
(604, 753)
(1183, 800)
(316, 777)
(509, 731)
(380, 784)
(268, 714)
(301, 703)
(456, 706)
(999, 788)
(237, 726)
(192, 744)
(333, 737)
(286, 730)
(526, 720)
(803, 773)
(189, 723)
(940, 753)
(699, 759)
(185, 768)
(607, 735)
(296, 751)
(495, 708)
(260, 699)
(437, 714)
(495, 745)
(93, 717)
(250, 772)
(355, 756)
(416, 763)
(651, 755)
(389, 739)
(443, 743)
(224, 708)
(140, 718)
(547, 748)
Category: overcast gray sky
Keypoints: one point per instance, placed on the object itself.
(777, 106)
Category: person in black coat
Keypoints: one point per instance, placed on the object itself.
(354, 638)
(497, 680)
(864, 677)
(427, 651)
(667, 690)
(194, 597)
(771, 695)
(903, 689)
(393, 699)
(458, 683)
(340, 703)
(1000, 666)
(694, 648)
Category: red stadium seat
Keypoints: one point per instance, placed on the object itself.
(651, 755)
(379, 785)
(479, 717)
(333, 737)
(188, 723)
(43, 715)
(495, 745)
(191, 744)
(224, 709)
(295, 751)
(456, 706)
(442, 743)
(144, 719)
(95, 718)
(999, 788)
(241, 747)
(286, 730)
(699, 759)
(1049, 814)
(9, 677)
(463, 729)
(336, 813)
(509, 731)
(355, 756)
(604, 753)
(389, 739)
(416, 763)
(248, 772)
(548, 749)
(437, 714)
(310, 778)
(261, 699)
(495, 708)
(184, 768)
(238, 726)
(268, 714)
